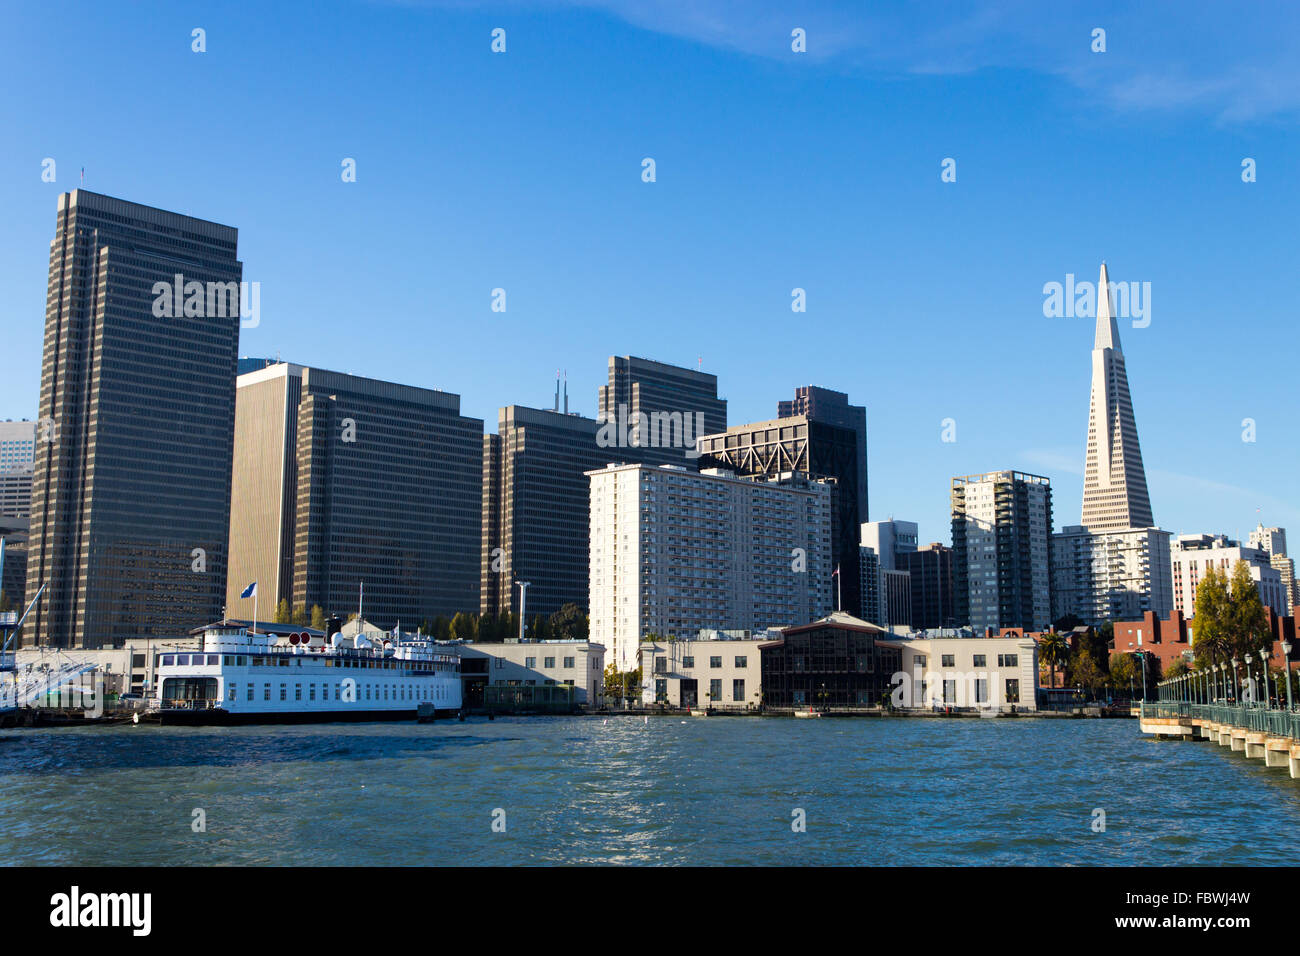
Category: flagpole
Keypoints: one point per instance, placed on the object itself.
(254, 607)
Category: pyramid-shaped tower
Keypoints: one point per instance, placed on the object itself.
(1114, 483)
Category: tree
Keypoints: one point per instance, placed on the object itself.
(1249, 622)
(317, 618)
(1068, 623)
(282, 612)
(1213, 643)
(539, 629)
(569, 623)
(1177, 668)
(1084, 671)
(464, 627)
(622, 683)
(1053, 650)
(300, 617)
(1123, 671)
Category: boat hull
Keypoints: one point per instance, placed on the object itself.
(220, 717)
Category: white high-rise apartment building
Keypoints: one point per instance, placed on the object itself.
(1192, 554)
(1273, 540)
(1001, 522)
(886, 590)
(1111, 576)
(675, 552)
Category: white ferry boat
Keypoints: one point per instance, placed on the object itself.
(243, 676)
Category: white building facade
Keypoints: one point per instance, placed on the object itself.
(1192, 554)
(676, 552)
(1111, 575)
(713, 674)
(983, 673)
(1001, 523)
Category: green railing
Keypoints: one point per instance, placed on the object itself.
(1255, 718)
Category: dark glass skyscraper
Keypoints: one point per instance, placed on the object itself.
(342, 480)
(653, 413)
(131, 482)
(536, 509)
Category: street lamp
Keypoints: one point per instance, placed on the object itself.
(1235, 686)
(1264, 655)
(1286, 666)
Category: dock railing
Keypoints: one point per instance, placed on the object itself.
(1253, 717)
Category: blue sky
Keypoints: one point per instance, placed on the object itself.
(775, 170)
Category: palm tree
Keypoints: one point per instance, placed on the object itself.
(1053, 650)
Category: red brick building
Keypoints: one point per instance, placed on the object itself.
(1168, 640)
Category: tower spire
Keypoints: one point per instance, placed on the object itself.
(1114, 483)
(1107, 330)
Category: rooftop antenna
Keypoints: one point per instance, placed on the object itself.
(566, 391)
(557, 390)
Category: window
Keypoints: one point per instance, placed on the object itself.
(266, 692)
(284, 691)
(530, 662)
(568, 663)
(688, 663)
(950, 692)
(250, 692)
(1008, 660)
(742, 661)
(548, 663)
(297, 691)
(232, 691)
(715, 661)
(981, 690)
(715, 689)
(980, 660)
(738, 689)
(500, 663)
(947, 660)
(661, 665)
(1013, 691)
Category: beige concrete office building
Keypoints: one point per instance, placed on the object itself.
(539, 663)
(721, 674)
(984, 673)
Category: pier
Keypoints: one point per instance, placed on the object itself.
(1260, 732)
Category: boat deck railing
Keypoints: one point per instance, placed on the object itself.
(180, 703)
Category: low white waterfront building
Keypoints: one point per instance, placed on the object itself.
(579, 664)
(717, 673)
(984, 673)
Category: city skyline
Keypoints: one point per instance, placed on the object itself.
(903, 271)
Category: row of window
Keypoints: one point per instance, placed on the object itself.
(688, 663)
(395, 692)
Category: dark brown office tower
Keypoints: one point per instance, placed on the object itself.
(652, 413)
(342, 480)
(536, 509)
(815, 448)
(131, 483)
(833, 408)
